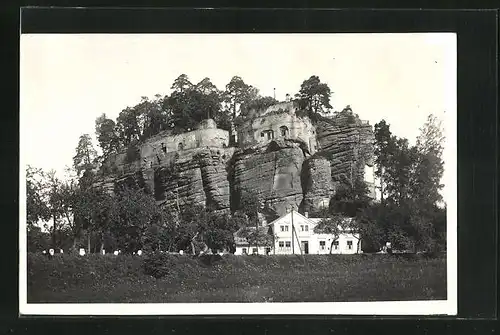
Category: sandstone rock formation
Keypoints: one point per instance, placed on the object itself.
(197, 176)
(348, 143)
(284, 171)
(318, 186)
(271, 171)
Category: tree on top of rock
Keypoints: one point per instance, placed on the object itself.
(314, 96)
(181, 84)
(86, 155)
(213, 98)
(206, 87)
(238, 93)
(106, 135)
(189, 104)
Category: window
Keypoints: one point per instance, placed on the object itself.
(164, 148)
(269, 133)
(287, 244)
(180, 146)
(301, 227)
(254, 251)
(284, 130)
(306, 227)
(286, 228)
(244, 251)
(322, 245)
(349, 244)
(335, 245)
(282, 228)
(281, 244)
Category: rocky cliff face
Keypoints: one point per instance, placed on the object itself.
(317, 184)
(347, 142)
(281, 172)
(271, 171)
(197, 176)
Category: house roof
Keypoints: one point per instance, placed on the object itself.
(312, 221)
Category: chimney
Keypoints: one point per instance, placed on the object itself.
(306, 214)
(287, 99)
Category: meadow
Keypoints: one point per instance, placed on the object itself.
(166, 278)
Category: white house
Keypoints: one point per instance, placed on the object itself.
(294, 234)
(244, 248)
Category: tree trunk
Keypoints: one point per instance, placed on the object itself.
(54, 230)
(102, 245)
(193, 251)
(88, 242)
(73, 247)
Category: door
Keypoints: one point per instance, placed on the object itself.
(305, 247)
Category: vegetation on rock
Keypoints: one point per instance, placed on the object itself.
(83, 213)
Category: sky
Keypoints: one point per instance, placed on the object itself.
(68, 80)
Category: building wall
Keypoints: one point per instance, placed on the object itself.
(308, 235)
(254, 132)
(199, 138)
(249, 250)
(162, 147)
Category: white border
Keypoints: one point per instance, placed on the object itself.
(441, 307)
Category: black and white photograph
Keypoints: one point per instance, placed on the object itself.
(195, 174)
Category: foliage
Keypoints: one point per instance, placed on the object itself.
(106, 133)
(314, 96)
(238, 93)
(133, 154)
(331, 225)
(159, 264)
(86, 155)
(258, 103)
(36, 239)
(350, 199)
(36, 205)
(136, 211)
(410, 183)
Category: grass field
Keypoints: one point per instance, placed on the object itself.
(118, 279)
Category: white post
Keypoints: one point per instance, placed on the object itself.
(82, 252)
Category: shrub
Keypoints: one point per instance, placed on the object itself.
(158, 264)
(161, 265)
(208, 260)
